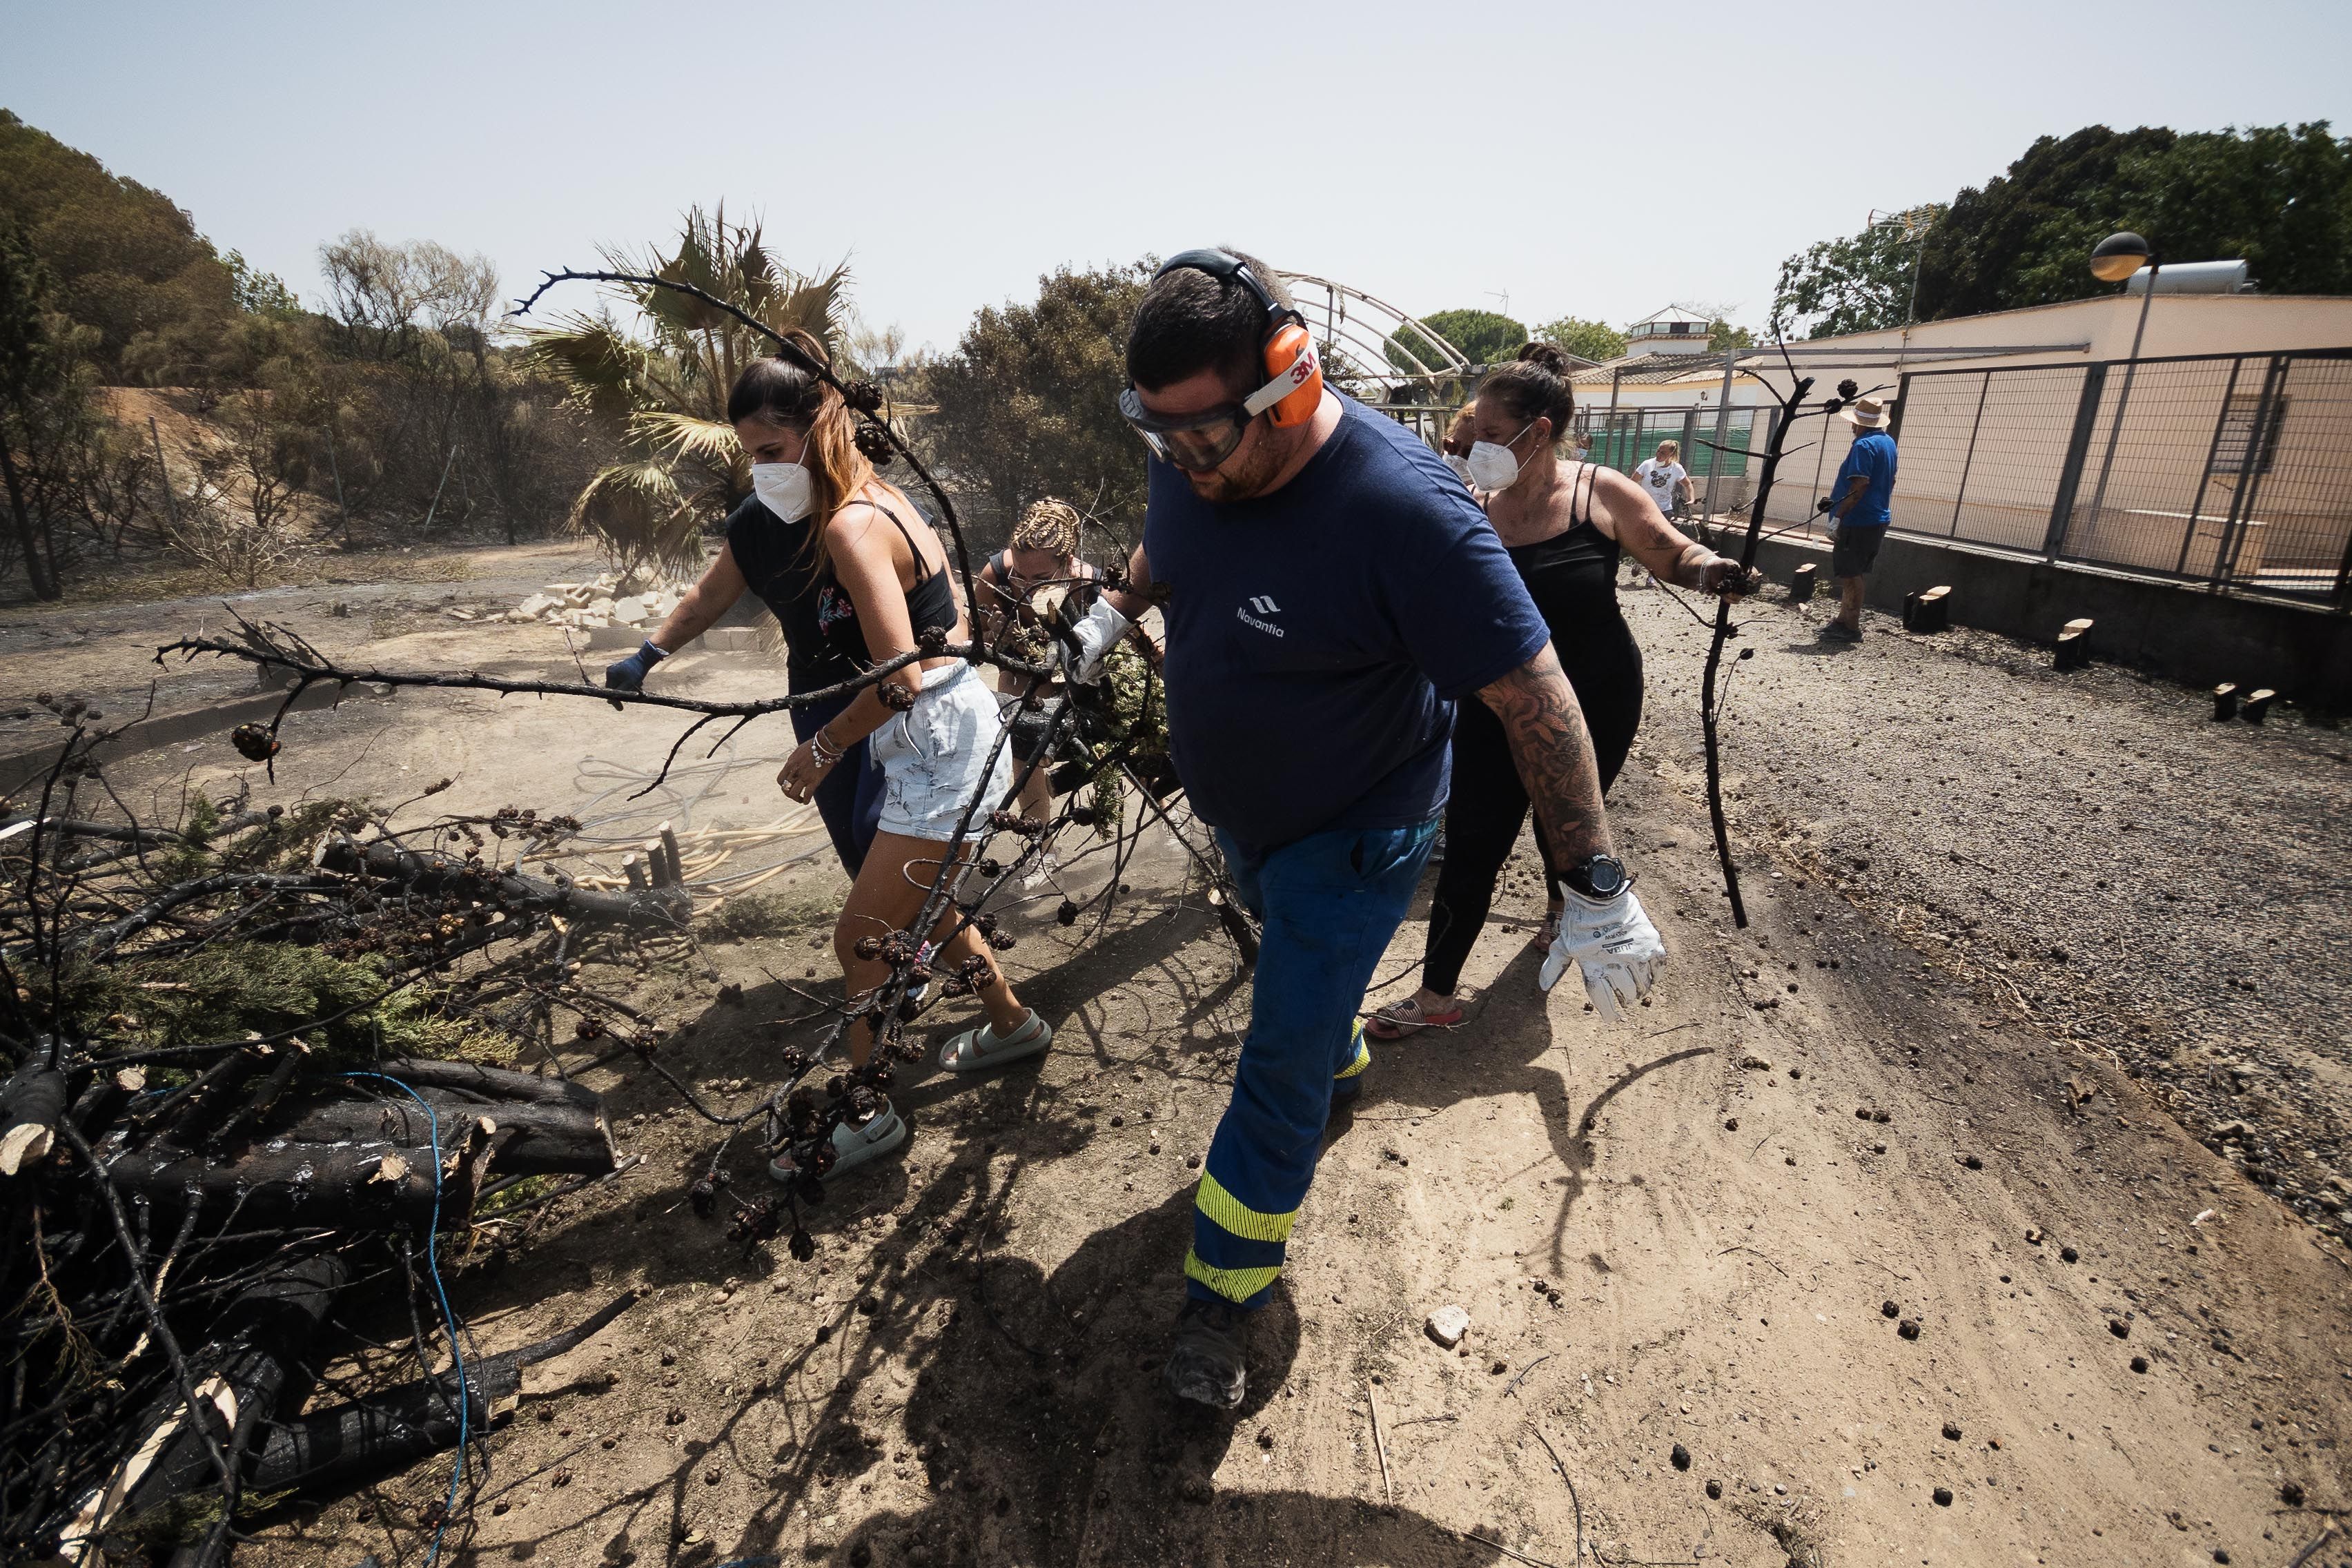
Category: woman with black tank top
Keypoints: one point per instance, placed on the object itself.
(860, 587)
(772, 556)
(1564, 525)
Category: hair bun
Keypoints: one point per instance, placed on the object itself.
(808, 345)
(1550, 356)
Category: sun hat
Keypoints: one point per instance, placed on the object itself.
(1868, 413)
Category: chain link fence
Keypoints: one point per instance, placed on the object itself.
(2232, 469)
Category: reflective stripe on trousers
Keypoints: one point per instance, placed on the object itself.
(1330, 904)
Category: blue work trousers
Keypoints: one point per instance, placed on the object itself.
(1329, 903)
(850, 798)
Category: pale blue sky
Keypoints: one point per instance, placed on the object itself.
(1595, 160)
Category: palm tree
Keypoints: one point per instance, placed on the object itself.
(679, 465)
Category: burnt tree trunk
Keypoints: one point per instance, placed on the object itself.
(350, 1442)
(538, 1139)
(380, 1185)
(667, 908)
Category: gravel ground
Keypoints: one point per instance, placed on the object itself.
(2137, 878)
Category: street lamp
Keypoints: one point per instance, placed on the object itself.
(2118, 255)
(2117, 259)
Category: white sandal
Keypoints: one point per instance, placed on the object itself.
(853, 1146)
(977, 1049)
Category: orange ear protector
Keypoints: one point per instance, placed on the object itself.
(1295, 386)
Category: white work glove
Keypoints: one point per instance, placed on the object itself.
(1096, 633)
(1614, 944)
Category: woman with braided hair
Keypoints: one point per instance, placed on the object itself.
(1563, 524)
(1043, 554)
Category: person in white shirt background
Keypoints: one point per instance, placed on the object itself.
(1667, 480)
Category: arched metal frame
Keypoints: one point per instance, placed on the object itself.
(1358, 332)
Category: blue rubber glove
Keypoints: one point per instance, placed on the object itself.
(629, 674)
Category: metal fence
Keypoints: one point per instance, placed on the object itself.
(2232, 469)
(1622, 438)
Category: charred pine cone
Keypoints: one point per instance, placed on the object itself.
(704, 1193)
(897, 698)
(756, 1222)
(254, 743)
(863, 395)
(874, 445)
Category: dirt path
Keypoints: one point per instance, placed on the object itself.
(967, 1373)
(104, 650)
(1676, 1233)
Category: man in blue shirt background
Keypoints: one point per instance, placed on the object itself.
(1329, 590)
(1862, 504)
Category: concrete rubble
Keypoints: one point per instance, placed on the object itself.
(606, 600)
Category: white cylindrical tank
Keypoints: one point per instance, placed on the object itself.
(2194, 278)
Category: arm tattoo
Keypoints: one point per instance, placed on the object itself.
(1554, 753)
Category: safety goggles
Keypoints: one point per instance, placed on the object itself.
(1200, 442)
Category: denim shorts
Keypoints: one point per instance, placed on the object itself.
(940, 753)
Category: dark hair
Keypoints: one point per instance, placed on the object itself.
(785, 394)
(1191, 320)
(1533, 385)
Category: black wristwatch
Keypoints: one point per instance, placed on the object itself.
(1600, 876)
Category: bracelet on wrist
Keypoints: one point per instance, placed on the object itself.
(823, 749)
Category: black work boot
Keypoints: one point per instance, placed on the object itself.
(1208, 1361)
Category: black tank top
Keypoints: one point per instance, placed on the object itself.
(929, 603)
(774, 558)
(823, 644)
(1572, 578)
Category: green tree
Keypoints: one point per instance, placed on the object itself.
(1721, 335)
(1484, 337)
(680, 465)
(2278, 196)
(122, 258)
(258, 292)
(42, 400)
(1595, 341)
(1858, 283)
(1028, 405)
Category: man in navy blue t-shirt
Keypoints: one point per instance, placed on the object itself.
(1329, 591)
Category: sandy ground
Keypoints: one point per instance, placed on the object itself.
(1677, 1236)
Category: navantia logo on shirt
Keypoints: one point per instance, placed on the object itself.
(1263, 606)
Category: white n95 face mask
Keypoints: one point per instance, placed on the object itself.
(784, 489)
(1492, 466)
(1459, 464)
